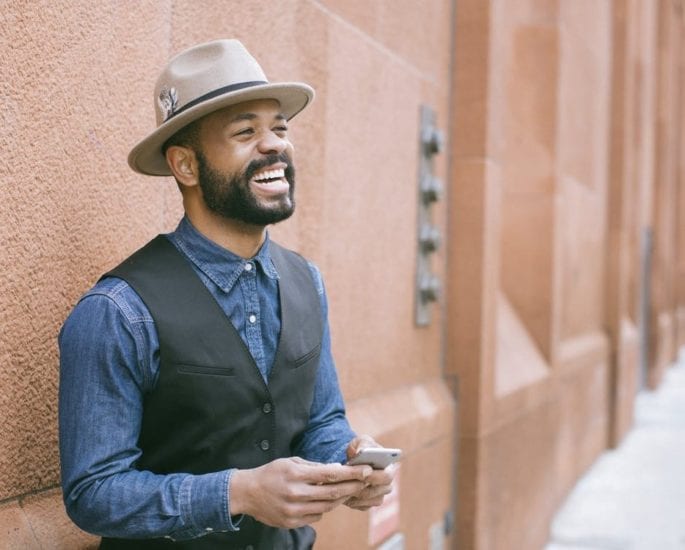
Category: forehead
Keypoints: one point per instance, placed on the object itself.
(268, 109)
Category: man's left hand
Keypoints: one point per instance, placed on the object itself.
(378, 484)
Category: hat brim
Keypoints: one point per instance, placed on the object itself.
(147, 158)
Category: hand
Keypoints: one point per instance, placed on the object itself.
(378, 484)
(292, 492)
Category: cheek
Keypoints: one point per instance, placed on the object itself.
(290, 150)
(231, 160)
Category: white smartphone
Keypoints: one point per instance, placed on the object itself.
(376, 457)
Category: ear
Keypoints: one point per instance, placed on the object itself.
(183, 164)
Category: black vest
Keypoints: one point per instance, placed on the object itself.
(211, 409)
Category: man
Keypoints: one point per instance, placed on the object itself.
(199, 403)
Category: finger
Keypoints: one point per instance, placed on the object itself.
(303, 461)
(314, 508)
(335, 473)
(312, 519)
(307, 492)
(382, 477)
(364, 503)
(314, 511)
(359, 443)
(301, 521)
(372, 493)
(335, 491)
(371, 496)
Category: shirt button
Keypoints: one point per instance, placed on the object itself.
(266, 408)
(265, 444)
(248, 266)
(252, 318)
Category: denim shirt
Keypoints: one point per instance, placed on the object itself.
(109, 360)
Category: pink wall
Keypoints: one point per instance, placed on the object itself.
(567, 120)
(564, 121)
(77, 94)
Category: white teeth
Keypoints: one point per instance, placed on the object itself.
(271, 174)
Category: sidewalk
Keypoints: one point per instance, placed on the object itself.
(633, 497)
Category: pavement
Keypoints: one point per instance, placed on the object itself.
(633, 497)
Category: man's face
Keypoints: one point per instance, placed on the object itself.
(245, 166)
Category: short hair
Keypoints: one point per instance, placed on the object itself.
(188, 136)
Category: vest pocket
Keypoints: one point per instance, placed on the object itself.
(307, 356)
(183, 368)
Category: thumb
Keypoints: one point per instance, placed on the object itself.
(303, 462)
(358, 443)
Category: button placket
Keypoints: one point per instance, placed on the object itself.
(253, 333)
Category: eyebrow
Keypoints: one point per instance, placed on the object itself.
(251, 116)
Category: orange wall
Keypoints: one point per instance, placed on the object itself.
(566, 124)
(78, 79)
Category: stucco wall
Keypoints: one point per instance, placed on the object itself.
(77, 94)
(564, 121)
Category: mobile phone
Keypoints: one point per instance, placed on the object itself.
(376, 457)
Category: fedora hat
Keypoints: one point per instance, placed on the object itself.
(201, 80)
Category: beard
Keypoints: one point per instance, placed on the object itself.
(230, 196)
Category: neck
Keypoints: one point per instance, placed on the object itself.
(240, 238)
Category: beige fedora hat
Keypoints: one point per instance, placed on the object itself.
(201, 80)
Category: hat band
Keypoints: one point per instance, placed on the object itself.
(215, 93)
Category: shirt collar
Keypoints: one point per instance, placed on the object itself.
(222, 266)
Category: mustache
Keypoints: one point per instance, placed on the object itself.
(269, 160)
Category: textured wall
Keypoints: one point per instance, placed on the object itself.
(565, 124)
(73, 97)
(77, 94)
(566, 144)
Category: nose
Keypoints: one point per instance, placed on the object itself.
(271, 143)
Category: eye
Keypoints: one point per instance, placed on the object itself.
(281, 129)
(244, 132)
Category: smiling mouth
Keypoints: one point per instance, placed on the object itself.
(270, 176)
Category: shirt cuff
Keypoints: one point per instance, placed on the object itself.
(234, 521)
(205, 503)
(340, 454)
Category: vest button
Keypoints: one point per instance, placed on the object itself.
(266, 408)
(265, 444)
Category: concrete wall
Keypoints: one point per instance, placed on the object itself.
(77, 94)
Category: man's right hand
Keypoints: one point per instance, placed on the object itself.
(292, 492)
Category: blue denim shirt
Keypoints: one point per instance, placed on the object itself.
(109, 360)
